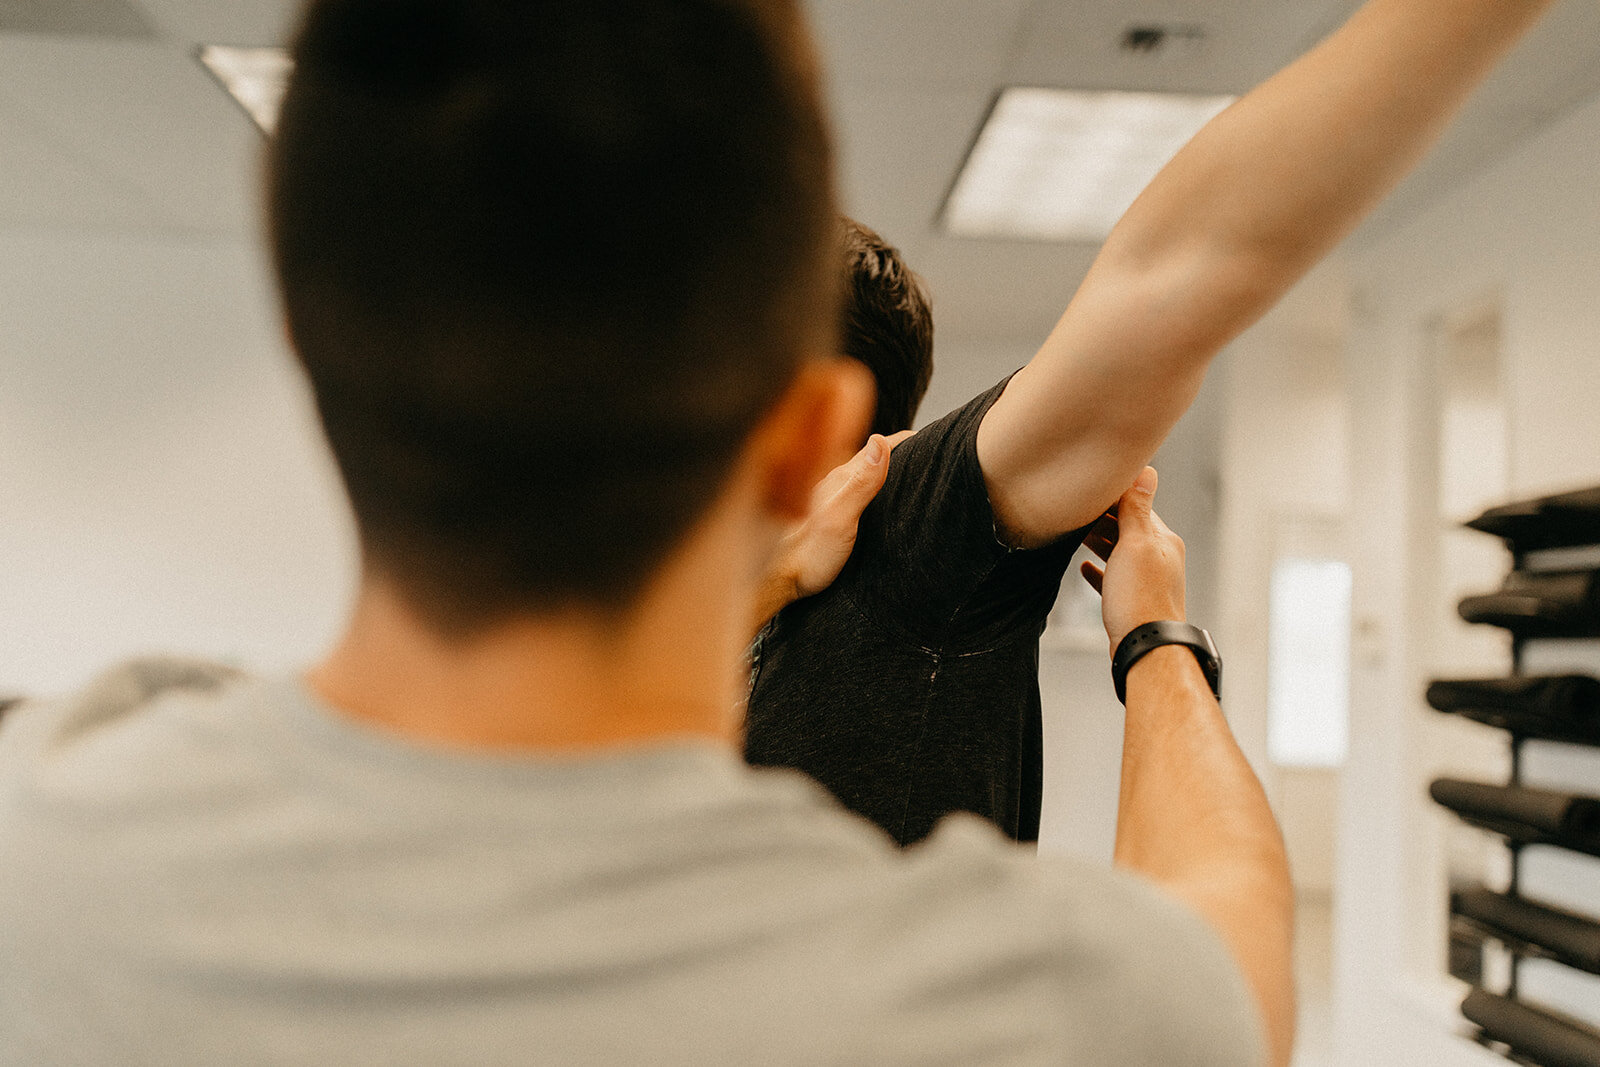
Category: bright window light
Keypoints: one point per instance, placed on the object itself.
(1308, 663)
(1052, 164)
(255, 77)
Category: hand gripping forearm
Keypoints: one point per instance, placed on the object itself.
(1191, 815)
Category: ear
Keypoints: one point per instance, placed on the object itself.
(818, 423)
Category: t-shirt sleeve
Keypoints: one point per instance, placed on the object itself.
(928, 539)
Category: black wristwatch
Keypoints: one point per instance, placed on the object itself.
(1153, 635)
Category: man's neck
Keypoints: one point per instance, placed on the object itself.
(580, 681)
(569, 683)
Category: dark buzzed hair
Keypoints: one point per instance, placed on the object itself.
(546, 266)
(887, 324)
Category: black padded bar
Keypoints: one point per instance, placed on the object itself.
(1561, 521)
(1563, 603)
(1559, 935)
(1556, 707)
(1532, 816)
(1535, 1034)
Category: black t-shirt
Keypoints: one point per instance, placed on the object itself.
(910, 687)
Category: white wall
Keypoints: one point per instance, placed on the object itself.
(165, 486)
(1284, 492)
(1526, 233)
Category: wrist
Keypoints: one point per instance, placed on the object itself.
(1170, 667)
(1145, 618)
(1143, 641)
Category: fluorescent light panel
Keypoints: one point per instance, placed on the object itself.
(1060, 165)
(255, 77)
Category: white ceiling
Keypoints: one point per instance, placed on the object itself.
(128, 133)
(911, 81)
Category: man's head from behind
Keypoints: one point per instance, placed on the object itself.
(887, 325)
(547, 265)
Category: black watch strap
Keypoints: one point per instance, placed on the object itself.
(1153, 635)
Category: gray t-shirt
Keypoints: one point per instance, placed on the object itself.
(200, 867)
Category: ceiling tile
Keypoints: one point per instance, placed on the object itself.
(240, 22)
(998, 290)
(1078, 45)
(900, 43)
(147, 113)
(898, 152)
(44, 185)
(77, 18)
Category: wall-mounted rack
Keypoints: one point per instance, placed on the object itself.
(1535, 601)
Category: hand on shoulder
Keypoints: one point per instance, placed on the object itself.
(814, 550)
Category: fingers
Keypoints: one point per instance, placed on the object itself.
(1094, 576)
(1136, 507)
(1102, 536)
(896, 438)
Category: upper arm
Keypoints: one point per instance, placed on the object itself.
(1077, 424)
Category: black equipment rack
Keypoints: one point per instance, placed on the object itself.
(1529, 1033)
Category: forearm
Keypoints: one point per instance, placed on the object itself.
(1270, 185)
(1235, 219)
(1193, 818)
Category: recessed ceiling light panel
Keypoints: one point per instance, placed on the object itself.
(255, 77)
(1059, 165)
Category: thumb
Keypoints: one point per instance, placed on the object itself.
(868, 469)
(1137, 504)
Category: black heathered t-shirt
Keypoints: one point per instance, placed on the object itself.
(910, 687)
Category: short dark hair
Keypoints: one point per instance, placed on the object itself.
(887, 324)
(546, 266)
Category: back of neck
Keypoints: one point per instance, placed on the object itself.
(566, 683)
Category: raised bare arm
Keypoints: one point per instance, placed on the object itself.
(1238, 216)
